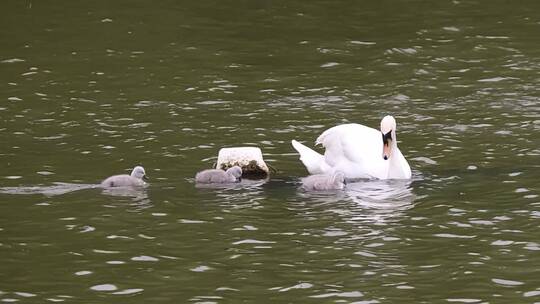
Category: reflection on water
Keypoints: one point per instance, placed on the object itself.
(369, 193)
(371, 201)
(60, 188)
(57, 189)
(138, 195)
(391, 196)
(247, 184)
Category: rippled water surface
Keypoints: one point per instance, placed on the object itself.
(92, 89)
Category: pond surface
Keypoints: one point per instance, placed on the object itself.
(92, 89)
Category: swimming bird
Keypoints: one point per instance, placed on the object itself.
(217, 176)
(357, 151)
(321, 182)
(137, 177)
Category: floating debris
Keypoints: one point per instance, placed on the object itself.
(250, 159)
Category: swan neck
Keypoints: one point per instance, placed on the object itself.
(394, 151)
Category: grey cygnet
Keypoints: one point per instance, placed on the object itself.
(137, 177)
(217, 176)
(322, 182)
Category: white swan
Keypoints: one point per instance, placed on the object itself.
(357, 151)
(123, 180)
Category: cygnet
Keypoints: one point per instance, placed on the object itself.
(217, 176)
(137, 177)
(322, 182)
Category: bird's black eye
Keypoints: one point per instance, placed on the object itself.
(386, 137)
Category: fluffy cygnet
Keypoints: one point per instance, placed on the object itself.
(137, 177)
(217, 176)
(322, 182)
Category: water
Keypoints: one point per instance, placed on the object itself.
(92, 89)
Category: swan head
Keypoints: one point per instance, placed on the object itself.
(138, 172)
(388, 130)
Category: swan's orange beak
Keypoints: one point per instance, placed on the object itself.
(386, 151)
(387, 141)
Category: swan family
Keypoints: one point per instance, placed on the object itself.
(357, 151)
(352, 151)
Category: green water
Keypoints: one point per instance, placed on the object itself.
(91, 89)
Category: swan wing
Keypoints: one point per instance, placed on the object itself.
(312, 160)
(355, 150)
(352, 142)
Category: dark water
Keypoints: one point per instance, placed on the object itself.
(92, 89)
